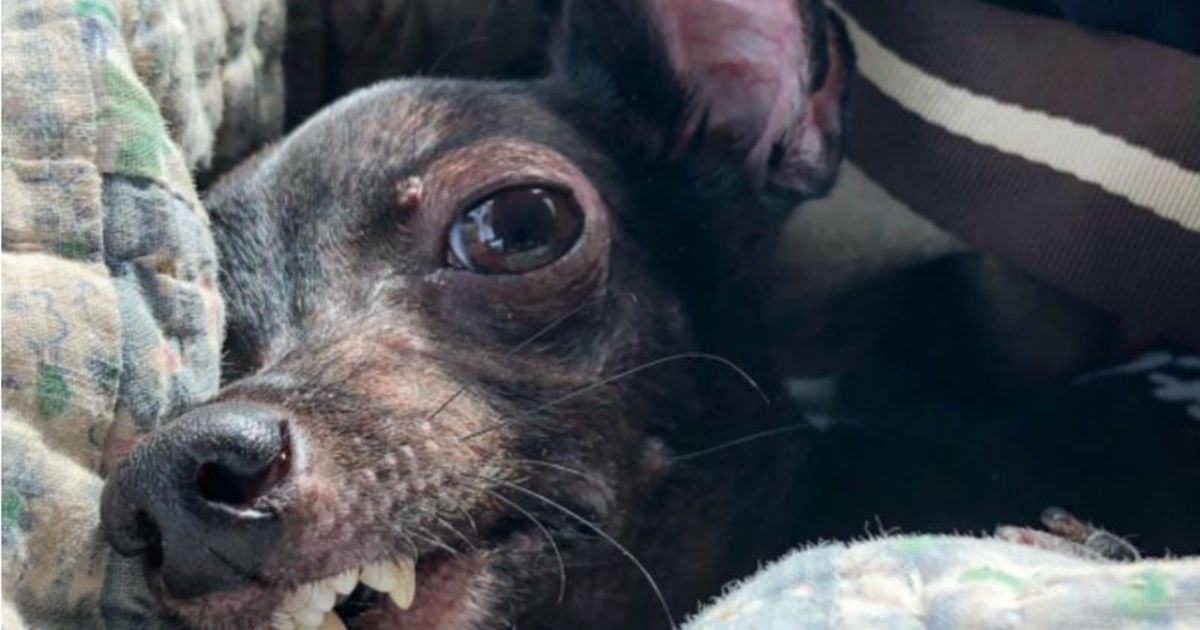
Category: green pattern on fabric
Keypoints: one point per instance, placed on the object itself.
(53, 393)
(1145, 597)
(99, 9)
(12, 508)
(989, 574)
(75, 249)
(130, 108)
(109, 106)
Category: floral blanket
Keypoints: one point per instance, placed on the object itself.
(112, 322)
(111, 315)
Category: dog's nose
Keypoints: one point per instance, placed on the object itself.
(188, 497)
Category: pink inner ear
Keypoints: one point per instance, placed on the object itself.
(747, 62)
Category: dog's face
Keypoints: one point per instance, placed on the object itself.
(465, 326)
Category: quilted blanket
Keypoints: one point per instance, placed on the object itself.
(112, 319)
(112, 322)
(948, 582)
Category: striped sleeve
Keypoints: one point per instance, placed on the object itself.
(1074, 155)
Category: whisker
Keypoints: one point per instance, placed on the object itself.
(436, 541)
(412, 544)
(444, 523)
(599, 532)
(477, 36)
(562, 571)
(558, 467)
(739, 441)
(454, 49)
(525, 344)
(618, 376)
(470, 519)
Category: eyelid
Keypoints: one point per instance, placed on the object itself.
(464, 177)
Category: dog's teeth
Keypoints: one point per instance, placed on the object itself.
(310, 606)
(332, 622)
(406, 589)
(307, 619)
(298, 599)
(324, 597)
(344, 583)
(381, 576)
(314, 596)
(305, 607)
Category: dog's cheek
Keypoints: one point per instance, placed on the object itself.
(512, 309)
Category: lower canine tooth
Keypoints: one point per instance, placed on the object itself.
(406, 588)
(332, 622)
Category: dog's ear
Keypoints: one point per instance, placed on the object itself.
(755, 88)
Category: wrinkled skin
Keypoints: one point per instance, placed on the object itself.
(470, 417)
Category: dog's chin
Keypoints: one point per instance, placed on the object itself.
(449, 590)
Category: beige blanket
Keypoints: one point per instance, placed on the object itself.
(112, 320)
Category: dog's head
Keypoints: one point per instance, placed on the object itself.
(466, 329)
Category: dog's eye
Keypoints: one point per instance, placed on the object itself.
(515, 230)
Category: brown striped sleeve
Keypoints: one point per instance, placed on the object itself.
(1071, 154)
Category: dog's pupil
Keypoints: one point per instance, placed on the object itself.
(521, 220)
(516, 230)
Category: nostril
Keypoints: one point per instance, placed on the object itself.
(153, 551)
(240, 483)
(129, 529)
(144, 528)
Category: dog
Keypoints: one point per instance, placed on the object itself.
(486, 340)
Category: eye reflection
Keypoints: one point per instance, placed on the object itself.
(515, 230)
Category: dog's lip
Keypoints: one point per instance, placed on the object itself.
(445, 588)
(356, 596)
(448, 585)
